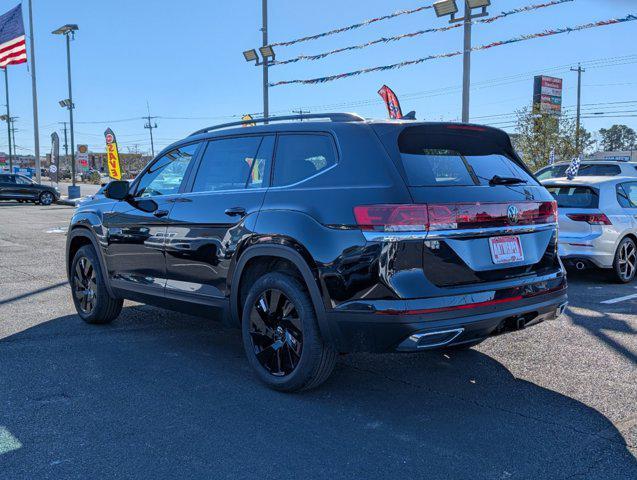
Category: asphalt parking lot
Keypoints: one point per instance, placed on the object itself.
(162, 395)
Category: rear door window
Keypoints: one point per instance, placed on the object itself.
(231, 164)
(301, 156)
(574, 196)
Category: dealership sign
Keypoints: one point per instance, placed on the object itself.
(82, 156)
(547, 95)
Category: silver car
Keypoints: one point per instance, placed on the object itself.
(590, 168)
(597, 223)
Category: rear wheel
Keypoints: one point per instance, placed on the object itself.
(90, 296)
(281, 336)
(46, 198)
(625, 263)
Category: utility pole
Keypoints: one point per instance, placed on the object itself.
(579, 71)
(266, 62)
(466, 64)
(150, 125)
(66, 145)
(13, 119)
(300, 111)
(7, 117)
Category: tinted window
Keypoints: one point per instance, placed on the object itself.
(300, 156)
(574, 197)
(7, 178)
(231, 164)
(20, 180)
(585, 170)
(449, 167)
(164, 177)
(627, 195)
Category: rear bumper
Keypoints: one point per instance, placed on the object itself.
(408, 332)
(597, 249)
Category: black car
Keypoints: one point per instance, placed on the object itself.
(327, 236)
(21, 188)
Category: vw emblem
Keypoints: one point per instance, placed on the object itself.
(513, 213)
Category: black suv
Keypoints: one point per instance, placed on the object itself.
(327, 236)
(21, 188)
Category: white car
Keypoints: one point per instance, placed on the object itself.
(591, 168)
(597, 223)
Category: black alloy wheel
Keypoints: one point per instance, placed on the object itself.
(276, 333)
(85, 285)
(281, 336)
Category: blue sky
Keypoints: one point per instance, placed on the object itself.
(185, 59)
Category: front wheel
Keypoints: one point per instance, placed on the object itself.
(281, 336)
(90, 296)
(46, 198)
(625, 264)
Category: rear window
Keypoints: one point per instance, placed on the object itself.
(574, 197)
(452, 168)
(585, 170)
(436, 157)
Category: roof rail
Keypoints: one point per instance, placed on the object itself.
(334, 117)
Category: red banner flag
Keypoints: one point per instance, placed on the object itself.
(391, 101)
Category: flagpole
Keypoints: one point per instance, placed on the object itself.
(34, 90)
(6, 86)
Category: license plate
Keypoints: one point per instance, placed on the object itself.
(506, 249)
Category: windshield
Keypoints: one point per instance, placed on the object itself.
(20, 179)
(585, 170)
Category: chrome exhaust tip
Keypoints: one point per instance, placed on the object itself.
(421, 341)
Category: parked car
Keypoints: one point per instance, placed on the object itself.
(23, 189)
(593, 168)
(327, 236)
(598, 223)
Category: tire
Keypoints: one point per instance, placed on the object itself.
(625, 263)
(278, 312)
(46, 198)
(90, 296)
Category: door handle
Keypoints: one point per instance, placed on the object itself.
(160, 213)
(235, 211)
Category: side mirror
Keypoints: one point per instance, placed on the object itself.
(117, 190)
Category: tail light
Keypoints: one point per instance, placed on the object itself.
(590, 218)
(454, 216)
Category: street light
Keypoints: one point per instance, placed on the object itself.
(68, 31)
(251, 56)
(449, 7)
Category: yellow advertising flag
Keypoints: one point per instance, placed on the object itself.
(112, 155)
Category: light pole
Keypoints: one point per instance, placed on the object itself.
(267, 52)
(449, 7)
(69, 32)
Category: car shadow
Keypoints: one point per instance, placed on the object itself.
(163, 395)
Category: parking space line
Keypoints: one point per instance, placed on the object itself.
(619, 299)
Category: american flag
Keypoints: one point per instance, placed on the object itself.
(13, 47)
(573, 168)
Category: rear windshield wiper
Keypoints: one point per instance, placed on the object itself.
(498, 180)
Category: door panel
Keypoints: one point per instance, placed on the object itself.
(135, 242)
(136, 229)
(206, 225)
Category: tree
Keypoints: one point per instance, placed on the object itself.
(618, 137)
(537, 134)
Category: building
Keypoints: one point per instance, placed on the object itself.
(622, 156)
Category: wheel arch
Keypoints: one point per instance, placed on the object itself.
(78, 237)
(286, 254)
